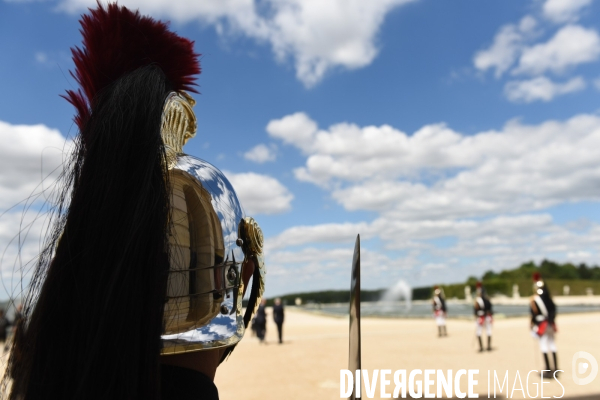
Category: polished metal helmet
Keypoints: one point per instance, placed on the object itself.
(214, 248)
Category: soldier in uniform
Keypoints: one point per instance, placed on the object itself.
(439, 310)
(543, 321)
(483, 316)
(149, 249)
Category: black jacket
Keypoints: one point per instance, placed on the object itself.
(278, 314)
(261, 316)
(4, 324)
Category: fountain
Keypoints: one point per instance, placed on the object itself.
(401, 290)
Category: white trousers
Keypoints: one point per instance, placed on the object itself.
(440, 320)
(547, 344)
(487, 321)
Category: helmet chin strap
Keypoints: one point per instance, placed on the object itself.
(252, 302)
(254, 297)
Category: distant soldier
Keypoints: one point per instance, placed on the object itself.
(543, 316)
(278, 317)
(439, 311)
(483, 316)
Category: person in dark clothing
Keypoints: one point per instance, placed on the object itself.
(278, 317)
(4, 324)
(260, 321)
(543, 322)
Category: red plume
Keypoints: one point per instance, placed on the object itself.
(478, 284)
(537, 277)
(117, 41)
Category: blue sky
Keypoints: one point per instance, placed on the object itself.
(456, 137)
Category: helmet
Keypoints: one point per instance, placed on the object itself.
(209, 240)
(203, 308)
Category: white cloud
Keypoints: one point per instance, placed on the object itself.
(321, 35)
(296, 129)
(438, 172)
(261, 194)
(434, 266)
(261, 153)
(541, 88)
(397, 233)
(20, 247)
(51, 59)
(477, 245)
(41, 57)
(349, 152)
(579, 255)
(20, 244)
(442, 198)
(553, 242)
(31, 159)
(561, 11)
(310, 256)
(570, 46)
(507, 45)
(330, 268)
(241, 13)
(318, 35)
(323, 233)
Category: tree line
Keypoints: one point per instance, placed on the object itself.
(577, 277)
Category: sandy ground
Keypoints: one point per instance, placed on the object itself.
(308, 364)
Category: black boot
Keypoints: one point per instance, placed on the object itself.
(489, 343)
(480, 344)
(547, 372)
(439, 331)
(555, 363)
(445, 333)
(547, 361)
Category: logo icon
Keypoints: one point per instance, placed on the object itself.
(580, 367)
